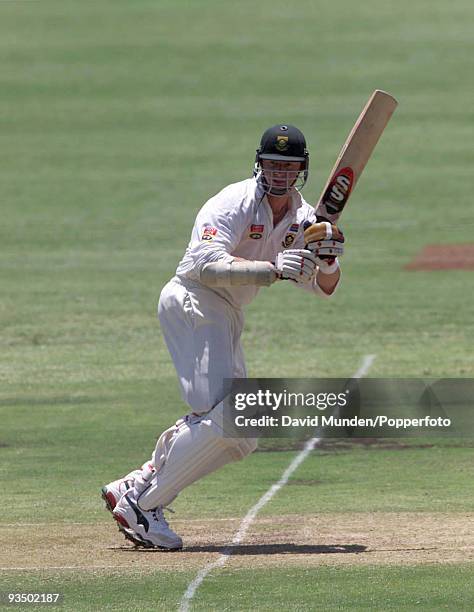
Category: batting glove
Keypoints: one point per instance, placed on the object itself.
(296, 264)
(326, 241)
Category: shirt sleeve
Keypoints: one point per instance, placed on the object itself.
(217, 231)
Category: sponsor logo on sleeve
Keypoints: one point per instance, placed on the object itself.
(256, 231)
(208, 233)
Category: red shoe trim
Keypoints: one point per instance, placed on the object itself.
(119, 518)
(111, 499)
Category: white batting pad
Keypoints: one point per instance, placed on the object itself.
(185, 453)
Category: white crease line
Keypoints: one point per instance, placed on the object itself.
(365, 366)
(266, 497)
(47, 568)
(94, 525)
(65, 525)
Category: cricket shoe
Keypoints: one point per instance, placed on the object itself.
(147, 528)
(112, 492)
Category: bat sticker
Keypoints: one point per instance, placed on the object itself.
(338, 191)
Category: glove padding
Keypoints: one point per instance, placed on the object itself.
(296, 264)
(324, 240)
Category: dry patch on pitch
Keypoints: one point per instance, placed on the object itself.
(444, 257)
(361, 538)
(324, 539)
(101, 547)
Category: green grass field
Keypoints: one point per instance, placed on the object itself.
(118, 119)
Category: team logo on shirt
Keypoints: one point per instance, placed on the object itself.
(256, 231)
(208, 233)
(291, 235)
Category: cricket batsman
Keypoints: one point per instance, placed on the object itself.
(251, 234)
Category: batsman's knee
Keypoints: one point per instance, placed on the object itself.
(194, 447)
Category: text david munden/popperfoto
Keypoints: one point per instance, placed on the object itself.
(270, 410)
(332, 421)
(347, 408)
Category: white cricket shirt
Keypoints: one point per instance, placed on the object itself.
(238, 222)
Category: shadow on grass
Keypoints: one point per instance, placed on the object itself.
(265, 549)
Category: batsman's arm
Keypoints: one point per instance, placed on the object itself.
(326, 242)
(328, 282)
(238, 272)
(298, 265)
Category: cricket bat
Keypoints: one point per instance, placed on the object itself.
(354, 155)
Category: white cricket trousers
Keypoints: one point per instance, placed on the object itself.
(202, 332)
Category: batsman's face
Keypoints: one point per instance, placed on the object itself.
(280, 175)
